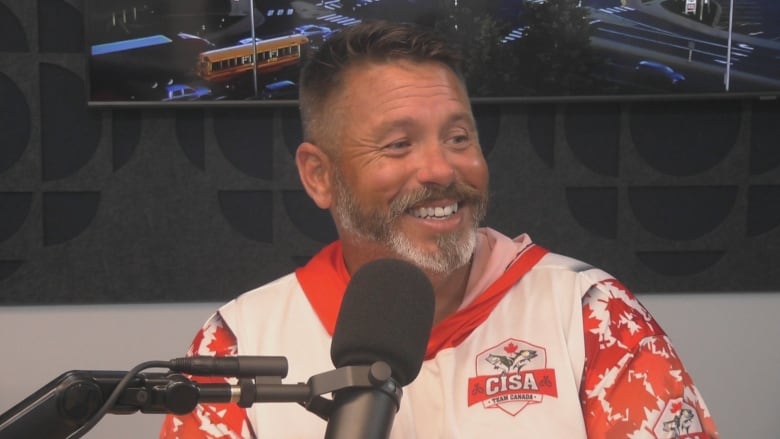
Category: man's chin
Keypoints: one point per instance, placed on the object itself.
(444, 256)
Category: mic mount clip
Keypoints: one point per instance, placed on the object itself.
(377, 376)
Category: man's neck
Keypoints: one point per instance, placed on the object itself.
(449, 290)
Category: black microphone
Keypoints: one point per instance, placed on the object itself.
(242, 366)
(386, 316)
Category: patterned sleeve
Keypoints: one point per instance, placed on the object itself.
(210, 421)
(634, 384)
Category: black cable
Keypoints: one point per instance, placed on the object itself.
(109, 403)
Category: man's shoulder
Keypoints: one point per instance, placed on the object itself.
(278, 284)
(585, 274)
(557, 261)
(551, 264)
(278, 290)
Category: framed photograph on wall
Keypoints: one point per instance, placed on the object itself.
(205, 52)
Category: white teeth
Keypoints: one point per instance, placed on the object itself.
(434, 212)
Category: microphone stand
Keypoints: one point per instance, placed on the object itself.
(71, 400)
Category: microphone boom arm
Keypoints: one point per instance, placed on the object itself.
(69, 401)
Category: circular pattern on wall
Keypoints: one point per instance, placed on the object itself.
(164, 204)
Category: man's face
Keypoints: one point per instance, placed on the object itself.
(409, 179)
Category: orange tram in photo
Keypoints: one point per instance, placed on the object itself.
(273, 54)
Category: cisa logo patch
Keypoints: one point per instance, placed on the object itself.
(510, 376)
(679, 421)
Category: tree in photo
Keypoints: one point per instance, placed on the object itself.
(489, 66)
(555, 54)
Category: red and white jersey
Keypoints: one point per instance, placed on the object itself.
(542, 346)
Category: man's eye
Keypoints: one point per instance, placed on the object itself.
(398, 145)
(459, 140)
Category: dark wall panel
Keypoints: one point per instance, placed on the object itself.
(150, 205)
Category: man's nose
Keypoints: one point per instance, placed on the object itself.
(435, 165)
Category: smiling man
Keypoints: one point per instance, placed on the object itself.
(525, 342)
(409, 180)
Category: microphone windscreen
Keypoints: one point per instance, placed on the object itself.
(386, 315)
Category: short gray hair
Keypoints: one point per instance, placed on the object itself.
(367, 42)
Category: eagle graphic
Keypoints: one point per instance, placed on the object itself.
(512, 362)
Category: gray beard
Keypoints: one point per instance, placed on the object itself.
(455, 249)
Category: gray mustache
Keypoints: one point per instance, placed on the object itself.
(457, 191)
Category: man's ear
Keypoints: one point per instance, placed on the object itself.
(314, 168)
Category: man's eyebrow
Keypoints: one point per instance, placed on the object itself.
(409, 122)
(463, 117)
(402, 122)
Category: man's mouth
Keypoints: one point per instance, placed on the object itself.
(441, 212)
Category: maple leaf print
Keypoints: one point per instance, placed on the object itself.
(212, 421)
(631, 369)
(223, 342)
(510, 348)
(196, 343)
(630, 399)
(655, 371)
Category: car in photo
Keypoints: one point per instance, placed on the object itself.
(656, 73)
(314, 31)
(183, 92)
(284, 89)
